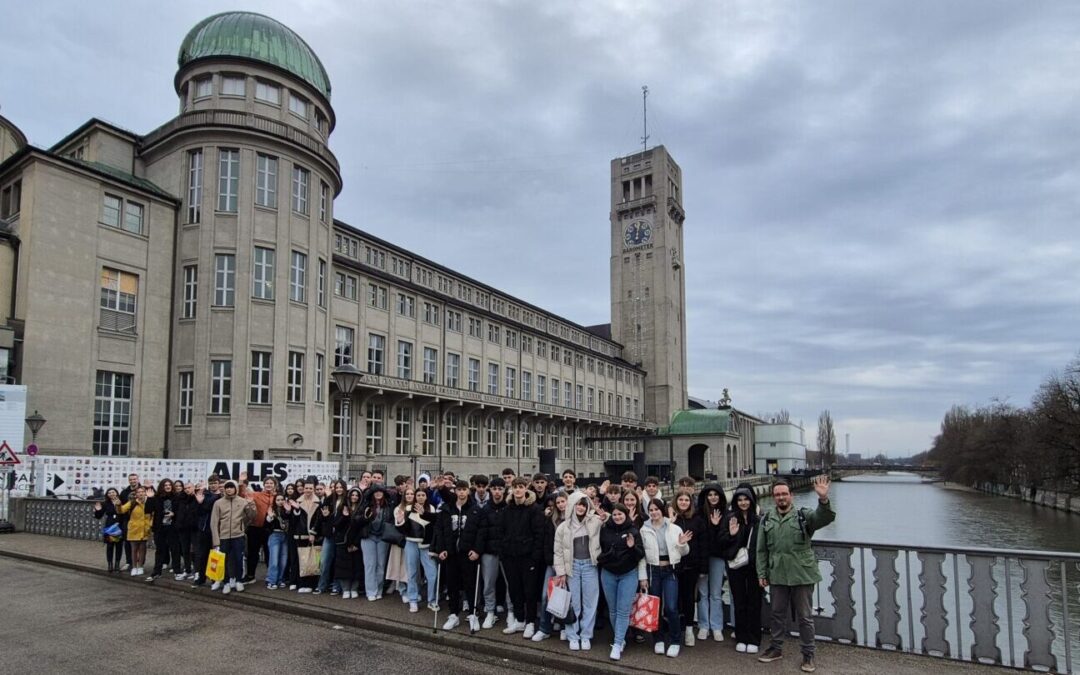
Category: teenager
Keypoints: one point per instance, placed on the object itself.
(205, 496)
(378, 519)
(419, 531)
(138, 529)
(276, 524)
(348, 561)
(187, 521)
(303, 526)
(742, 523)
(125, 497)
(632, 503)
(554, 515)
(228, 522)
(488, 547)
(712, 504)
(257, 532)
(693, 563)
(329, 512)
(397, 570)
(522, 553)
(622, 559)
(108, 512)
(577, 546)
(161, 510)
(665, 545)
(452, 547)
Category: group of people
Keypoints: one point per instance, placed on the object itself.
(492, 549)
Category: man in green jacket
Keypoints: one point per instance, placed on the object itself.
(787, 565)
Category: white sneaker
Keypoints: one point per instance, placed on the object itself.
(513, 627)
(575, 646)
(659, 648)
(292, 587)
(673, 651)
(215, 586)
(530, 630)
(226, 589)
(741, 647)
(125, 568)
(751, 649)
(305, 589)
(451, 623)
(134, 571)
(239, 587)
(372, 598)
(616, 653)
(433, 606)
(540, 636)
(562, 635)
(586, 645)
(703, 634)
(688, 636)
(179, 577)
(489, 621)
(404, 599)
(718, 635)
(474, 623)
(414, 608)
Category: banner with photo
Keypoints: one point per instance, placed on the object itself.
(86, 477)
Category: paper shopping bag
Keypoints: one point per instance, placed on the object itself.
(215, 566)
(645, 614)
(558, 604)
(309, 557)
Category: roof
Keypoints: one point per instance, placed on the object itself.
(101, 170)
(698, 423)
(600, 330)
(248, 35)
(89, 124)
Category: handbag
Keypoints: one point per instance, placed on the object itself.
(742, 556)
(112, 533)
(392, 535)
(309, 558)
(215, 566)
(645, 613)
(567, 615)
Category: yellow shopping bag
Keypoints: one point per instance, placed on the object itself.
(215, 566)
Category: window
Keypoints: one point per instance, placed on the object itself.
(511, 339)
(228, 179)
(220, 387)
(119, 291)
(345, 285)
(554, 391)
(191, 291)
(508, 437)
(232, 85)
(526, 385)
(493, 333)
(431, 313)
(112, 413)
(511, 382)
(474, 375)
(541, 389)
(186, 398)
(377, 296)
(403, 431)
(428, 423)
(431, 365)
(404, 360)
(453, 369)
(224, 280)
(342, 429)
(374, 436)
(262, 273)
(260, 377)
(580, 394)
(294, 390)
(491, 438)
(343, 345)
(474, 327)
(541, 349)
(472, 436)
(298, 105)
(526, 343)
(453, 428)
(267, 93)
(298, 277)
(110, 212)
(493, 378)
(324, 202)
(204, 86)
(133, 217)
(375, 353)
(453, 320)
(568, 400)
(195, 180)
(266, 181)
(526, 440)
(320, 284)
(301, 178)
(592, 395)
(320, 366)
(406, 305)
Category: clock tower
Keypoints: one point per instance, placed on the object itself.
(648, 299)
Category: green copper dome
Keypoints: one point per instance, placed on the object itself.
(247, 35)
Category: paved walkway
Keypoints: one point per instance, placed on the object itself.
(391, 618)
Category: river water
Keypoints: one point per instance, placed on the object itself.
(901, 509)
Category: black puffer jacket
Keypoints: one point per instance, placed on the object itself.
(615, 556)
(187, 513)
(748, 526)
(452, 531)
(697, 558)
(490, 535)
(714, 535)
(523, 528)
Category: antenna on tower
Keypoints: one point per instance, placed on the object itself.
(645, 117)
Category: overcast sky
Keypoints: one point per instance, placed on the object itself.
(883, 199)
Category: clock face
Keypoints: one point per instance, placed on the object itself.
(637, 233)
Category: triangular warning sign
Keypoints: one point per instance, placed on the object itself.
(7, 455)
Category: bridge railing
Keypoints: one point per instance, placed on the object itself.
(992, 606)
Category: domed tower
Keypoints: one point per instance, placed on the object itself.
(248, 156)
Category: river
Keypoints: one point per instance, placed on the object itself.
(901, 509)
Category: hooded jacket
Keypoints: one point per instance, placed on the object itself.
(563, 559)
(675, 550)
(375, 523)
(139, 521)
(230, 517)
(615, 556)
(523, 528)
(748, 527)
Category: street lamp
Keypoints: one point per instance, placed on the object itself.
(346, 377)
(35, 422)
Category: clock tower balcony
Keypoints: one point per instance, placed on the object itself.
(636, 207)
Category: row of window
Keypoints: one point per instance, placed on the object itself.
(266, 185)
(566, 394)
(461, 437)
(265, 92)
(263, 265)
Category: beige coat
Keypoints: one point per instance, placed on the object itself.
(230, 517)
(564, 535)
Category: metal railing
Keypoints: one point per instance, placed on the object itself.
(952, 602)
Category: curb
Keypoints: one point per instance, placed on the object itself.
(524, 653)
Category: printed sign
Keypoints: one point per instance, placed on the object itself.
(13, 416)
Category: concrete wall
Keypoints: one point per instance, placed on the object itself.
(1062, 501)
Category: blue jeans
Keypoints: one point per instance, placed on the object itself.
(710, 608)
(584, 595)
(326, 567)
(546, 619)
(375, 554)
(413, 556)
(234, 558)
(620, 591)
(664, 585)
(279, 557)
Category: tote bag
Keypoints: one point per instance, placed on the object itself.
(215, 566)
(309, 558)
(645, 614)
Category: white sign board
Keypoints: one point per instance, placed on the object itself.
(13, 417)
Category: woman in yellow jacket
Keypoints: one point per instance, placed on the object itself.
(138, 530)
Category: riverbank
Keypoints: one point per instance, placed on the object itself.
(1060, 501)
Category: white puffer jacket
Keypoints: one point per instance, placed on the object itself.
(564, 535)
(675, 550)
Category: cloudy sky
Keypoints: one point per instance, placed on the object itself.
(883, 199)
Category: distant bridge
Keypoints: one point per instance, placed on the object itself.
(909, 468)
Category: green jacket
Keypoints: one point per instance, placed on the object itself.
(784, 554)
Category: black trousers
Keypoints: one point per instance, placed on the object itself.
(688, 583)
(204, 541)
(112, 554)
(459, 575)
(746, 596)
(161, 549)
(256, 542)
(523, 585)
(184, 550)
(292, 569)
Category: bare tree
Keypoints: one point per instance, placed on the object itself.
(826, 439)
(782, 417)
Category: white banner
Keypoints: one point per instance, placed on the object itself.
(79, 477)
(13, 418)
